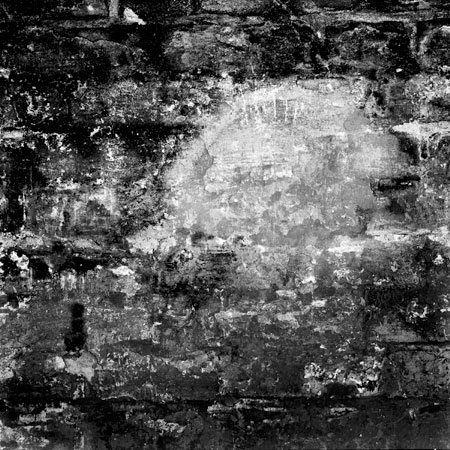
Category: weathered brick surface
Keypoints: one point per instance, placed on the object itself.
(232, 217)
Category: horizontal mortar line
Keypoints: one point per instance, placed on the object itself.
(301, 400)
(89, 317)
(32, 347)
(414, 343)
(89, 254)
(362, 17)
(144, 341)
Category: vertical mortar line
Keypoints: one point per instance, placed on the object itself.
(295, 112)
(414, 43)
(196, 5)
(274, 101)
(113, 9)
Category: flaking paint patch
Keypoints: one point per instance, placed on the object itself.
(253, 153)
(83, 365)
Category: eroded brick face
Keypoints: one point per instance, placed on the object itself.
(224, 224)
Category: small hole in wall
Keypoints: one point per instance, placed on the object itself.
(75, 338)
(423, 150)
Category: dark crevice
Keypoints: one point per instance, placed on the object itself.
(392, 184)
(75, 338)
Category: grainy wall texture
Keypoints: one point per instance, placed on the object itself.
(224, 224)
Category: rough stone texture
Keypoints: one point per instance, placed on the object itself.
(226, 227)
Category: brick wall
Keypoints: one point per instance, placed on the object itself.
(222, 221)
